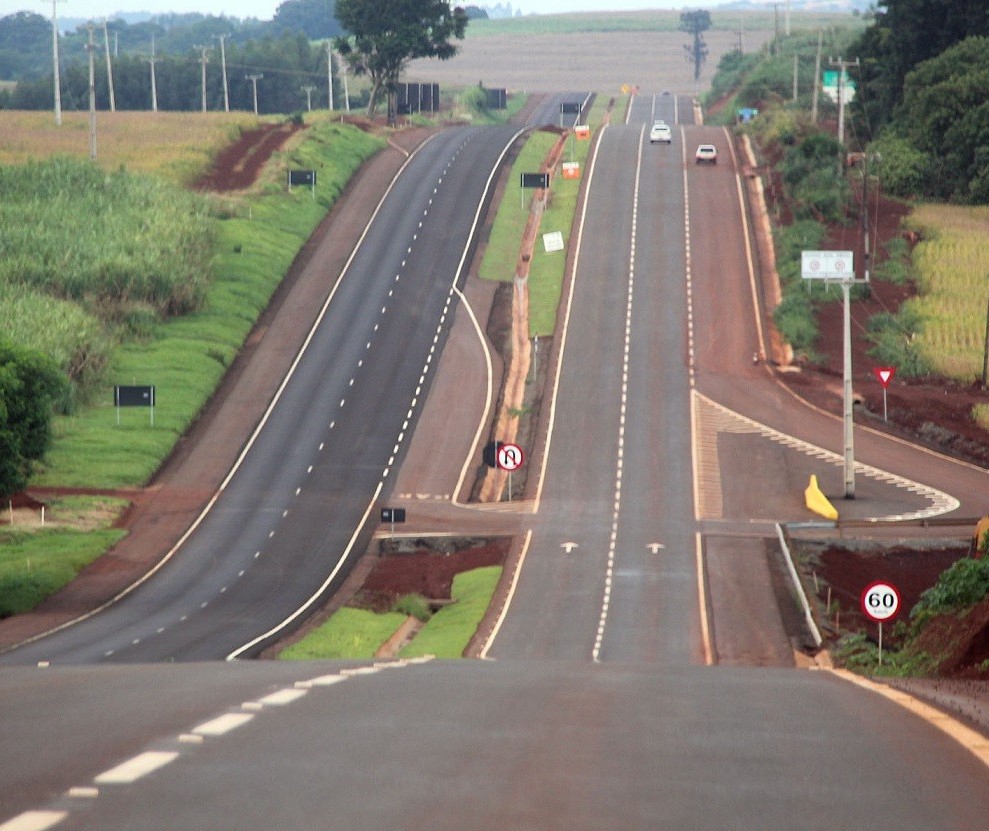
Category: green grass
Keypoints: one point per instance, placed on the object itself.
(357, 634)
(546, 271)
(34, 564)
(186, 358)
(449, 631)
(354, 634)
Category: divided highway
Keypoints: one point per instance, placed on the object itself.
(598, 709)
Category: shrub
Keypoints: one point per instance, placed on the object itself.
(964, 584)
(413, 605)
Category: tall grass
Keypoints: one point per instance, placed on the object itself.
(115, 242)
(75, 339)
(952, 265)
(187, 356)
(177, 147)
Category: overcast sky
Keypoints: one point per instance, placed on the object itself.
(265, 9)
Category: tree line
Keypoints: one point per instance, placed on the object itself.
(287, 64)
(922, 100)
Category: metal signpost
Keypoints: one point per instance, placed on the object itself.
(393, 515)
(510, 457)
(885, 375)
(837, 266)
(880, 602)
(134, 396)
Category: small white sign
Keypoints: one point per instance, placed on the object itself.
(553, 241)
(827, 265)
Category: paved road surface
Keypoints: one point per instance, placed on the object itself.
(598, 710)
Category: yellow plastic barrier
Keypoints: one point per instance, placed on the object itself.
(817, 502)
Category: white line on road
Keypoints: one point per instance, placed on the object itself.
(222, 725)
(133, 769)
(34, 821)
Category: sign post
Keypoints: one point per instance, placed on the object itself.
(510, 458)
(880, 602)
(393, 515)
(837, 266)
(134, 396)
(885, 375)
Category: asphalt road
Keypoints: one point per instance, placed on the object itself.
(598, 710)
(302, 501)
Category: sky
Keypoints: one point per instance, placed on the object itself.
(265, 9)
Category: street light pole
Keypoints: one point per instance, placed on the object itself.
(58, 88)
(254, 82)
(849, 442)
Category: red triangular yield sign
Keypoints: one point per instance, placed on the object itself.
(884, 374)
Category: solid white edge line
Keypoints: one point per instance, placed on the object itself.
(566, 322)
(508, 600)
(707, 645)
(748, 246)
(320, 590)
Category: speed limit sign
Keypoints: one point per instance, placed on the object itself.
(880, 602)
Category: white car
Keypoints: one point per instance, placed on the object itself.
(660, 131)
(706, 153)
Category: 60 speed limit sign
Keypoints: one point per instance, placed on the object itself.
(880, 601)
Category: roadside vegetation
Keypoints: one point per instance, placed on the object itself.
(814, 190)
(546, 269)
(358, 634)
(62, 298)
(942, 635)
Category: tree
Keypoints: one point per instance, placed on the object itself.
(315, 18)
(30, 385)
(696, 23)
(905, 33)
(384, 35)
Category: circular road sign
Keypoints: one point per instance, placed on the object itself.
(880, 601)
(510, 457)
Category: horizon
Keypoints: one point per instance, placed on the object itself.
(265, 9)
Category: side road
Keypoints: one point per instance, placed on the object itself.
(163, 512)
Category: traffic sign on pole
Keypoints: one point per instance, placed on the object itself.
(884, 374)
(510, 457)
(880, 602)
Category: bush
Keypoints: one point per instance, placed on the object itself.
(903, 168)
(413, 605)
(964, 584)
(894, 336)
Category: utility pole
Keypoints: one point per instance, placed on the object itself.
(154, 85)
(843, 66)
(91, 48)
(329, 72)
(203, 60)
(254, 83)
(795, 75)
(58, 88)
(817, 78)
(109, 67)
(308, 91)
(346, 91)
(223, 67)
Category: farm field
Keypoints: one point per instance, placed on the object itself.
(592, 52)
(177, 146)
